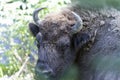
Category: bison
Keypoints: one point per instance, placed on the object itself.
(63, 36)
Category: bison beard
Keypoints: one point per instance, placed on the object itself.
(60, 40)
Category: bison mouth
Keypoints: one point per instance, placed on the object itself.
(49, 73)
(46, 72)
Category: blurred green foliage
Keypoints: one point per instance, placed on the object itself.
(16, 42)
(96, 4)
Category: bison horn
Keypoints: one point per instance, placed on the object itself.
(35, 16)
(78, 25)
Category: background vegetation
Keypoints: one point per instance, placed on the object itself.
(97, 4)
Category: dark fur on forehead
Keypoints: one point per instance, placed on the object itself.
(57, 24)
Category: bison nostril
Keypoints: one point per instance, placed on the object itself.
(41, 67)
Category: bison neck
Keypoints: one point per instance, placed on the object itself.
(101, 62)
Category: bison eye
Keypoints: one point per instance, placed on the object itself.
(38, 39)
(37, 43)
(63, 46)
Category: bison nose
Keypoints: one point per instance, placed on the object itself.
(44, 69)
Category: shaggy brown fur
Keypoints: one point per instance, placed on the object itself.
(57, 24)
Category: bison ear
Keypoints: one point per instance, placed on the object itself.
(34, 29)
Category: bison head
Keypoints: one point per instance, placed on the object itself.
(54, 36)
